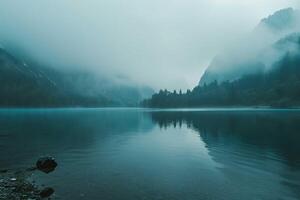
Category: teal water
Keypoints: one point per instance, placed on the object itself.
(128, 154)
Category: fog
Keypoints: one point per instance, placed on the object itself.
(160, 43)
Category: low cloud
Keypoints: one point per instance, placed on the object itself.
(163, 44)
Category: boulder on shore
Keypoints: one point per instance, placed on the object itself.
(46, 164)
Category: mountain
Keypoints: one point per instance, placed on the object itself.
(261, 71)
(26, 84)
(282, 20)
(256, 52)
(279, 86)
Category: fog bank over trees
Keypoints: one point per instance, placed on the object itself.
(164, 44)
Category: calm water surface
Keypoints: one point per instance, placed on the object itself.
(128, 154)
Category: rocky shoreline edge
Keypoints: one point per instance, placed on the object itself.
(17, 185)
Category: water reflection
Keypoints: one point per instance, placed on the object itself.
(27, 134)
(138, 154)
(252, 147)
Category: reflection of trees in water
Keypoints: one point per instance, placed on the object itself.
(241, 139)
(277, 131)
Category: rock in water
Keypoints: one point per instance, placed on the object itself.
(3, 171)
(47, 192)
(46, 164)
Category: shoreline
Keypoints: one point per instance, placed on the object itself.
(17, 185)
(223, 108)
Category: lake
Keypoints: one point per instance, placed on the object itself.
(139, 154)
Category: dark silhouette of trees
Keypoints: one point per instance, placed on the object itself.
(280, 87)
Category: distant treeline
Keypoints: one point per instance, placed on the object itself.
(279, 87)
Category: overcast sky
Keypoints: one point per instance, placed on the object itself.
(160, 43)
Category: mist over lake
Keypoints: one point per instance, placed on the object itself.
(158, 154)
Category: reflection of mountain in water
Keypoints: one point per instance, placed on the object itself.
(28, 134)
(252, 147)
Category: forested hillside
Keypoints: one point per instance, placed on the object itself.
(277, 87)
(24, 84)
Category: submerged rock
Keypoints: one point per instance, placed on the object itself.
(3, 170)
(47, 192)
(46, 164)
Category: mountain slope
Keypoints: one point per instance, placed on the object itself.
(276, 86)
(256, 52)
(282, 20)
(29, 85)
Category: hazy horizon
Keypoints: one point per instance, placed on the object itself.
(162, 44)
